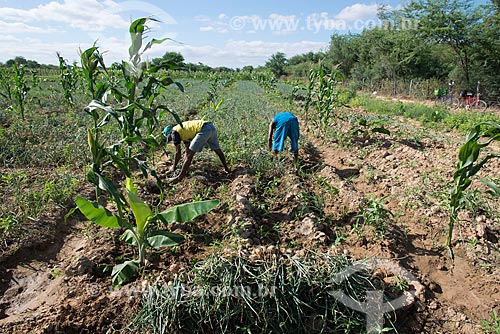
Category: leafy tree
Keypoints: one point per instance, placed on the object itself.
(17, 60)
(174, 58)
(342, 51)
(449, 22)
(247, 69)
(309, 57)
(276, 64)
(485, 57)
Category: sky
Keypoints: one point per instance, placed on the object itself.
(216, 33)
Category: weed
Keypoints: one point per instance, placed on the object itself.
(311, 202)
(400, 284)
(55, 273)
(491, 326)
(326, 186)
(473, 242)
(376, 215)
(8, 223)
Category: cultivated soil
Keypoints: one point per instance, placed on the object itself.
(51, 282)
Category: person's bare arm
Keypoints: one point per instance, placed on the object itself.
(188, 158)
(272, 125)
(177, 157)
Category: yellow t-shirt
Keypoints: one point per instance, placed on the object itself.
(189, 129)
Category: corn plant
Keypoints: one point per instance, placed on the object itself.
(323, 94)
(266, 80)
(93, 68)
(6, 84)
(213, 91)
(69, 79)
(136, 93)
(20, 88)
(469, 164)
(140, 231)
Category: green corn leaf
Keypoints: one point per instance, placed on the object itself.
(155, 41)
(124, 272)
(180, 86)
(186, 212)
(495, 189)
(98, 214)
(104, 121)
(159, 239)
(95, 104)
(109, 187)
(166, 81)
(173, 113)
(136, 30)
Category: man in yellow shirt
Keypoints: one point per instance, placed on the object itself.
(195, 134)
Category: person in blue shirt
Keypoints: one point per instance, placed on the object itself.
(283, 125)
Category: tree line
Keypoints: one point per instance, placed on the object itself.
(438, 41)
(444, 40)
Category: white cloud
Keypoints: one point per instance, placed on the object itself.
(237, 54)
(20, 27)
(202, 18)
(234, 53)
(207, 28)
(41, 51)
(9, 38)
(86, 15)
(358, 12)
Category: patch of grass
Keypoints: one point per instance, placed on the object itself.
(26, 195)
(461, 120)
(491, 326)
(273, 294)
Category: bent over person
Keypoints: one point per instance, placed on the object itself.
(194, 134)
(284, 124)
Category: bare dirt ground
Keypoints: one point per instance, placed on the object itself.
(54, 285)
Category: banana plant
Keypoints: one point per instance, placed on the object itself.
(142, 233)
(469, 164)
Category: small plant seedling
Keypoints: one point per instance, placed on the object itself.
(469, 164)
(492, 326)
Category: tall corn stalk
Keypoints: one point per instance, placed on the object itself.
(69, 79)
(136, 93)
(322, 94)
(21, 88)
